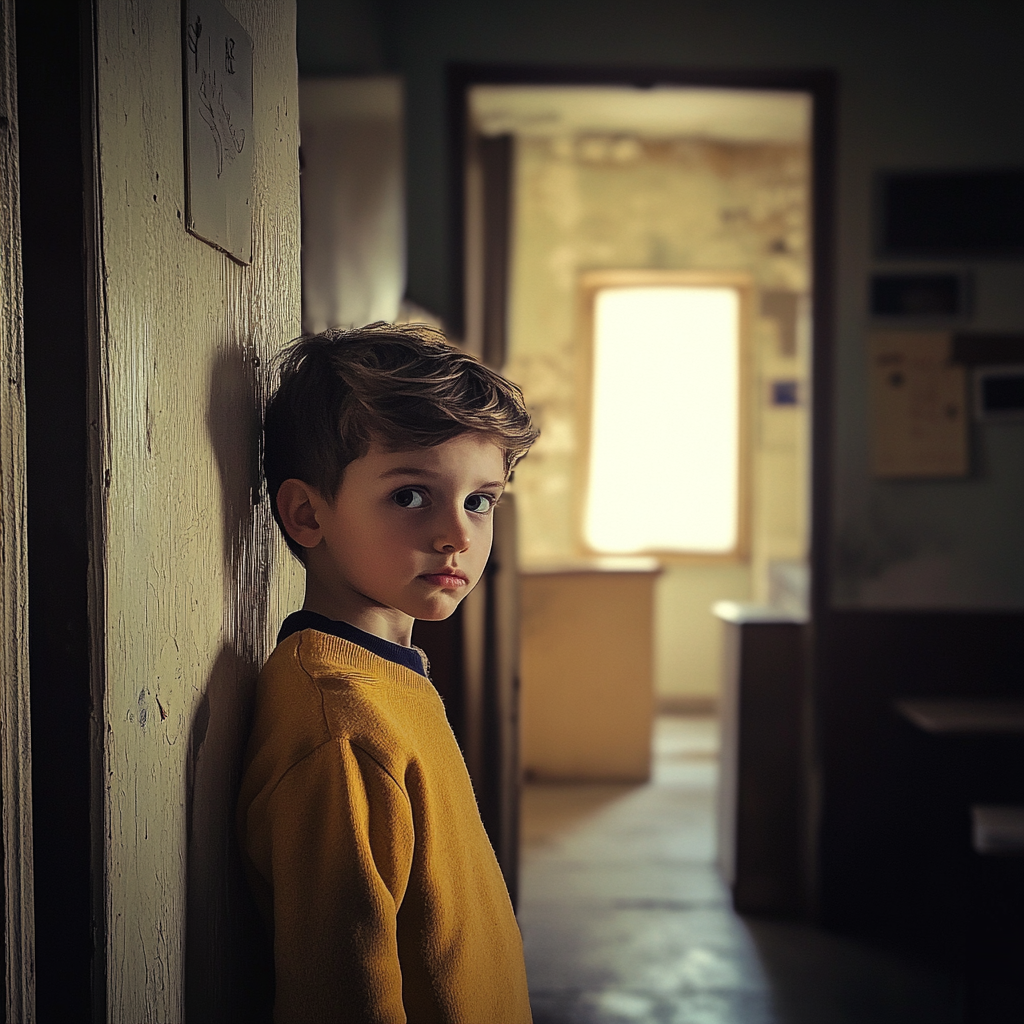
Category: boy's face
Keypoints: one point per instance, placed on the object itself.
(408, 533)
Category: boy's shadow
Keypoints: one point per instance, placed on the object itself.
(228, 965)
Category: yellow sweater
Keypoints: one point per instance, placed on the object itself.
(365, 849)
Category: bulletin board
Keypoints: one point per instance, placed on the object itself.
(918, 406)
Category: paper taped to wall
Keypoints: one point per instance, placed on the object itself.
(218, 129)
(918, 398)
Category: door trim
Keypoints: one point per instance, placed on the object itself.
(15, 732)
(822, 85)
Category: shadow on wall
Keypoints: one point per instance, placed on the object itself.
(228, 967)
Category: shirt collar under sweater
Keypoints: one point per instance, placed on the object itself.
(409, 657)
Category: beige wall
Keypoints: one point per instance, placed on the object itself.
(353, 201)
(622, 202)
(189, 578)
(687, 636)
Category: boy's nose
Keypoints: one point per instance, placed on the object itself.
(452, 534)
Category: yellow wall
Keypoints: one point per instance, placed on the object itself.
(189, 579)
(603, 202)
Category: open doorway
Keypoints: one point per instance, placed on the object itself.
(640, 260)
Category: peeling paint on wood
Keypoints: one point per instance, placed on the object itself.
(15, 741)
(190, 580)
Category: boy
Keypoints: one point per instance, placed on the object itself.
(385, 452)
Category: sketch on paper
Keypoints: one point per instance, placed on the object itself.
(218, 128)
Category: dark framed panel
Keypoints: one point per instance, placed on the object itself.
(999, 393)
(988, 349)
(920, 295)
(943, 214)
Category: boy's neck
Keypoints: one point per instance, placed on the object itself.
(359, 611)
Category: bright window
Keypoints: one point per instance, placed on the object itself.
(665, 448)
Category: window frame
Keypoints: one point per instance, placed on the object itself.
(590, 284)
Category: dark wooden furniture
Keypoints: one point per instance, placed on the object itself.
(965, 717)
(969, 859)
(760, 845)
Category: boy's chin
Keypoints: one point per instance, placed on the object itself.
(437, 611)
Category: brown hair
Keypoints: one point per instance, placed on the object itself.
(401, 386)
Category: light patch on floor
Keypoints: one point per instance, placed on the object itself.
(625, 920)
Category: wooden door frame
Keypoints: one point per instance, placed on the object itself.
(822, 85)
(15, 748)
(55, 148)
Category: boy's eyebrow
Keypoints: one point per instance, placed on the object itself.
(407, 471)
(417, 471)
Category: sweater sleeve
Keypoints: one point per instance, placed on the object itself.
(341, 845)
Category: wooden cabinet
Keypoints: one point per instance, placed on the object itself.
(588, 671)
(760, 796)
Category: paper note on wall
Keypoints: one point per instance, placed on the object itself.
(218, 129)
(918, 406)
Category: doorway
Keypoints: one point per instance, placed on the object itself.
(538, 152)
(572, 181)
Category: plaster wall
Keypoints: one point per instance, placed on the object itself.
(922, 85)
(189, 578)
(622, 202)
(353, 201)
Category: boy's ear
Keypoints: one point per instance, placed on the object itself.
(296, 505)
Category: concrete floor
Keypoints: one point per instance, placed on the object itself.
(625, 920)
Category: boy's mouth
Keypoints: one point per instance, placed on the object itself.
(447, 579)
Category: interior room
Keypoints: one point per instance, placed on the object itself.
(741, 692)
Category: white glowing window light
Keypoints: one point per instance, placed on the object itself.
(665, 444)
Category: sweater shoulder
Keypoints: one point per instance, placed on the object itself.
(315, 689)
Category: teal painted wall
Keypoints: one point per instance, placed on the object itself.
(923, 83)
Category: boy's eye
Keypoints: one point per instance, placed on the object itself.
(479, 503)
(408, 497)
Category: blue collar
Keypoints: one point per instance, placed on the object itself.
(408, 657)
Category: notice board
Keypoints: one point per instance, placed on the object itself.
(918, 406)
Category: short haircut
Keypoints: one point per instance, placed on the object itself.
(403, 387)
